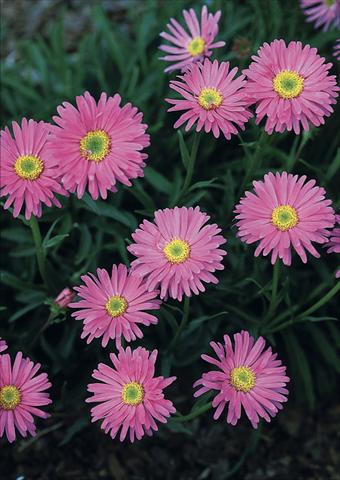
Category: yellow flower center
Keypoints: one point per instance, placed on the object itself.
(95, 145)
(284, 217)
(10, 397)
(116, 306)
(196, 46)
(177, 251)
(242, 379)
(28, 167)
(288, 84)
(132, 393)
(210, 98)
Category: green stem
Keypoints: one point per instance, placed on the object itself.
(252, 162)
(299, 318)
(192, 415)
(273, 299)
(191, 166)
(185, 319)
(41, 258)
(322, 301)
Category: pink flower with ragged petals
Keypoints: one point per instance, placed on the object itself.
(130, 398)
(249, 377)
(211, 98)
(98, 144)
(283, 213)
(29, 176)
(290, 86)
(323, 13)
(113, 306)
(177, 252)
(188, 48)
(22, 393)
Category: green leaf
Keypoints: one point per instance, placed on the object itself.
(52, 242)
(302, 365)
(157, 180)
(185, 155)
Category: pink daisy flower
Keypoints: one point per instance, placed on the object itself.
(29, 176)
(284, 212)
(113, 306)
(177, 252)
(98, 144)
(130, 398)
(249, 376)
(336, 49)
(212, 97)
(22, 392)
(188, 48)
(323, 13)
(333, 246)
(3, 345)
(290, 86)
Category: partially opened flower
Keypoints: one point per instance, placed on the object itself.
(177, 252)
(29, 176)
(333, 246)
(282, 213)
(98, 144)
(130, 398)
(22, 393)
(3, 345)
(290, 86)
(113, 306)
(249, 376)
(188, 48)
(212, 98)
(323, 13)
(64, 298)
(336, 49)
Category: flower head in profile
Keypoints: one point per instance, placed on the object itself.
(282, 213)
(98, 144)
(290, 86)
(336, 49)
(130, 398)
(113, 306)
(193, 45)
(3, 345)
(29, 176)
(333, 246)
(212, 98)
(250, 377)
(323, 13)
(22, 393)
(177, 252)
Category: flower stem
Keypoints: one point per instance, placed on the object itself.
(191, 165)
(273, 299)
(196, 413)
(183, 323)
(41, 258)
(322, 301)
(299, 318)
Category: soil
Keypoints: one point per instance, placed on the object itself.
(299, 445)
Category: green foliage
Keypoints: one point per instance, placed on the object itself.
(121, 55)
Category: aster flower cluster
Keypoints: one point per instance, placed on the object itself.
(92, 146)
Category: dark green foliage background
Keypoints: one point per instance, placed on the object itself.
(117, 52)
